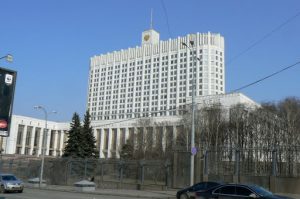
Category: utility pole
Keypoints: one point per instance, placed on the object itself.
(193, 150)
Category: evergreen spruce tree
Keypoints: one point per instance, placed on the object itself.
(74, 147)
(89, 141)
(127, 152)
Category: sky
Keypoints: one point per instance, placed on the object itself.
(52, 42)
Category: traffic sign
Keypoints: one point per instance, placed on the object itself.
(194, 150)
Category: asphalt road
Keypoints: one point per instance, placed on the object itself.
(46, 194)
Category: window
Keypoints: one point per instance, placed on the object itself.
(243, 191)
(200, 186)
(228, 190)
(211, 184)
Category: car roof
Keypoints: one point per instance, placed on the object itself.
(241, 184)
(250, 186)
(6, 174)
(218, 182)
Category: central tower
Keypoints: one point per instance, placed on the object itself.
(150, 37)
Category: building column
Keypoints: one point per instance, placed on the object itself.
(118, 147)
(144, 134)
(135, 137)
(174, 136)
(23, 142)
(101, 145)
(109, 134)
(60, 147)
(48, 136)
(153, 137)
(95, 133)
(4, 140)
(39, 152)
(96, 137)
(55, 142)
(31, 144)
(126, 134)
(164, 136)
(149, 138)
(154, 132)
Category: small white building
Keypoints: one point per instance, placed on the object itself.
(26, 134)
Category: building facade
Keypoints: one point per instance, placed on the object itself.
(26, 133)
(155, 79)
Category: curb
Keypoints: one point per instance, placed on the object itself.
(104, 194)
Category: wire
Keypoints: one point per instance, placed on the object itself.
(234, 91)
(266, 77)
(177, 108)
(264, 37)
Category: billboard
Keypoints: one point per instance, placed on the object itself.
(7, 90)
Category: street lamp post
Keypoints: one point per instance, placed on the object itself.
(193, 113)
(44, 142)
(8, 57)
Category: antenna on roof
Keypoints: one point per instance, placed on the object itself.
(151, 22)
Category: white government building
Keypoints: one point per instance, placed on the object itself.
(155, 77)
(153, 80)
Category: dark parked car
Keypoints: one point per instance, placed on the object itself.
(9, 183)
(189, 192)
(237, 191)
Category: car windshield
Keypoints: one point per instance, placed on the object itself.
(9, 178)
(261, 191)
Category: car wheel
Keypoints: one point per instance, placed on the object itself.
(20, 191)
(184, 196)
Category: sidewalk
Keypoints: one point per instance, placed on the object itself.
(116, 192)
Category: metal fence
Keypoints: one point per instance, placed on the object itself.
(105, 173)
(158, 174)
(283, 162)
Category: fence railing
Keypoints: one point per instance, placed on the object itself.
(256, 162)
(158, 174)
(105, 173)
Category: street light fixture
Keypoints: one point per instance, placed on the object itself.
(44, 142)
(8, 57)
(193, 149)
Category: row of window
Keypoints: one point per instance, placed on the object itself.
(215, 54)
